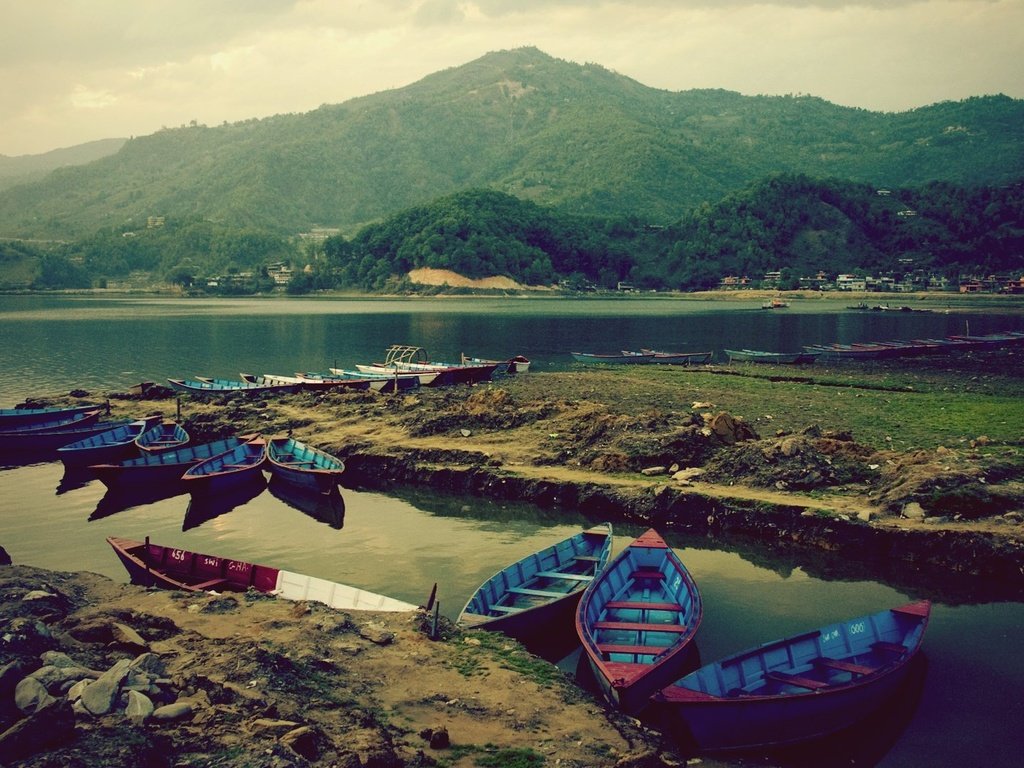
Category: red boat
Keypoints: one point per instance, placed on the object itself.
(636, 621)
(152, 565)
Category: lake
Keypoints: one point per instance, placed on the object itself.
(965, 712)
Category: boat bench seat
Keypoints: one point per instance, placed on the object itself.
(843, 666)
(797, 680)
(535, 592)
(505, 609)
(639, 627)
(647, 574)
(889, 647)
(646, 650)
(560, 575)
(638, 605)
(587, 558)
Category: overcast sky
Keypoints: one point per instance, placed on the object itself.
(76, 70)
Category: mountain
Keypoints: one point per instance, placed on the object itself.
(578, 138)
(27, 168)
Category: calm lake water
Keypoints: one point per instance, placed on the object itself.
(966, 711)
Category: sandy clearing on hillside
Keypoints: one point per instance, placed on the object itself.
(428, 276)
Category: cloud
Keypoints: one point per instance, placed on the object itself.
(76, 70)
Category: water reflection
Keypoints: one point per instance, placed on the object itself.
(327, 507)
(75, 478)
(203, 507)
(119, 500)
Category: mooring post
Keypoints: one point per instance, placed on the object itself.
(433, 625)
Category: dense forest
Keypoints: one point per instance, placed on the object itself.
(789, 223)
(579, 139)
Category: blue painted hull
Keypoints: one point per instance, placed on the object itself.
(800, 688)
(11, 418)
(110, 445)
(164, 468)
(227, 471)
(534, 596)
(637, 621)
(303, 466)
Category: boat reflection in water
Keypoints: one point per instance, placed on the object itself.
(75, 478)
(326, 507)
(119, 500)
(205, 506)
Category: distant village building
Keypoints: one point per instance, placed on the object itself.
(733, 282)
(851, 283)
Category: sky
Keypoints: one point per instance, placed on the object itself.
(73, 71)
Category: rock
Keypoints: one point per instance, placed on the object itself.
(465, 432)
(304, 741)
(30, 696)
(1014, 517)
(150, 663)
(99, 697)
(11, 674)
(913, 511)
(139, 707)
(269, 725)
(688, 474)
(179, 710)
(38, 594)
(439, 738)
(866, 515)
(651, 471)
(122, 634)
(59, 679)
(75, 691)
(5, 559)
(376, 635)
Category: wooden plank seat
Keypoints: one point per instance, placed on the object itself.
(560, 575)
(646, 650)
(889, 647)
(506, 609)
(639, 627)
(587, 558)
(640, 605)
(535, 592)
(647, 573)
(797, 680)
(844, 666)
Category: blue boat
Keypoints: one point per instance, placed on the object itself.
(637, 620)
(533, 596)
(771, 358)
(799, 688)
(153, 470)
(165, 436)
(111, 445)
(209, 386)
(11, 418)
(303, 466)
(225, 471)
(45, 441)
(623, 358)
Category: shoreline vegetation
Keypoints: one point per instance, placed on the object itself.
(912, 474)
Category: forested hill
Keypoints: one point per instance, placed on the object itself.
(791, 223)
(578, 138)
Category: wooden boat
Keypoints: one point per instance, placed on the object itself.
(677, 358)
(302, 465)
(59, 422)
(401, 358)
(799, 688)
(210, 386)
(636, 622)
(307, 382)
(110, 445)
(392, 381)
(623, 358)
(38, 441)
(517, 364)
(775, 304)
(154, 565)
(778, 358)
(165, 468)
(227, 470)
(165, 436)
(531, 597)
(11, 418)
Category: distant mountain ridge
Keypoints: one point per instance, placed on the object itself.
(22, 169)
(579, 138)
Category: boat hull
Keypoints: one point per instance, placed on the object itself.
(11, 418)
(227, 471)
(163, 468)
(796, 689)
(111, 445)
(637, 620)
(533, 597)
(303, 466)
(153, 565)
